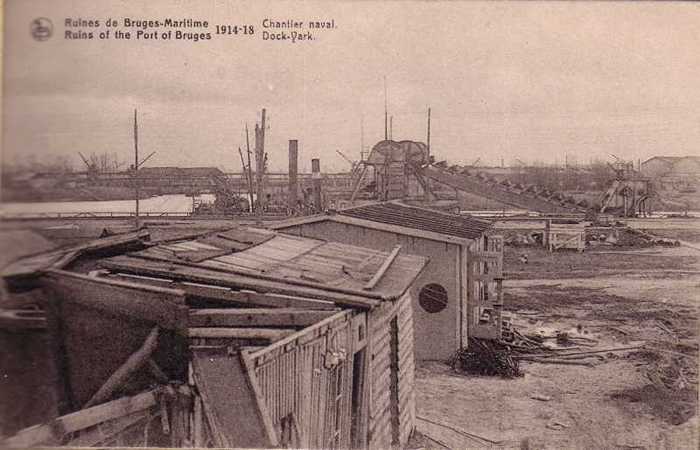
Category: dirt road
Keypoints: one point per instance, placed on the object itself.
(620, 401)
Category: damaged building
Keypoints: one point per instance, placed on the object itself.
(231, 338)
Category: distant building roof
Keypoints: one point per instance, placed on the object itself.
(420, 219)
(673, 159)
(410, 220)
(180, 171)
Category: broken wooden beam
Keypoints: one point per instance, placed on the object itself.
(308, 331)
(255, 317)
(107, 431)
(164, 307)
(270, 334)
(39, 434)
(383, 268)
(132, 364)
(157, 372)
(226, 294)
(254, 298)
(564, 352)
(179, 272)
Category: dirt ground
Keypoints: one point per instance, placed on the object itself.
(629, 298)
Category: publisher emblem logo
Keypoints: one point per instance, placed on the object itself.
(41, 28)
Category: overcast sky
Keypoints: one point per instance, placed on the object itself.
(534, 81)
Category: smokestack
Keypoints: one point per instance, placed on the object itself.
(316, 180)
(293, 171)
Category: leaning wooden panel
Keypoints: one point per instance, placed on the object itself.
(230, 402)
(304, 384)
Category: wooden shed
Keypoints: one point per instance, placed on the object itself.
(458, 295)
(236, 338)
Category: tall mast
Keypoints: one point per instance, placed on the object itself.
(386, 113)
(136, 165)
(260, 162)
(362, 138)
(428, 133)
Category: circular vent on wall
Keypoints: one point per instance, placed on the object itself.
(433, 298)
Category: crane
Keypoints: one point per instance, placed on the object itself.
(353, 164)
(350, 161)
(146, 159)
(85, 160)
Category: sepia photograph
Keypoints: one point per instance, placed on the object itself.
(350, 224)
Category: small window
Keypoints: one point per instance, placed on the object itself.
(433, 298)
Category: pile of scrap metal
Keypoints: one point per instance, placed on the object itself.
(235, 338)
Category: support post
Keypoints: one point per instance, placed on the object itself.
(249, 172)
(316, 179)
(428, 143)
(260, 163)
(132, 364)
(293, 170)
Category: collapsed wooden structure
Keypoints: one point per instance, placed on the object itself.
(236, 338)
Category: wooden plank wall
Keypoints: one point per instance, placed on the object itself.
(97, 324)
(380, 420)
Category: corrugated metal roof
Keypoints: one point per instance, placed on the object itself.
(420, 219)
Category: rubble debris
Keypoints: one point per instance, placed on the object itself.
(523, 239)
(669, 374)
(587, 352)
(626, 237)
(486, 357)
